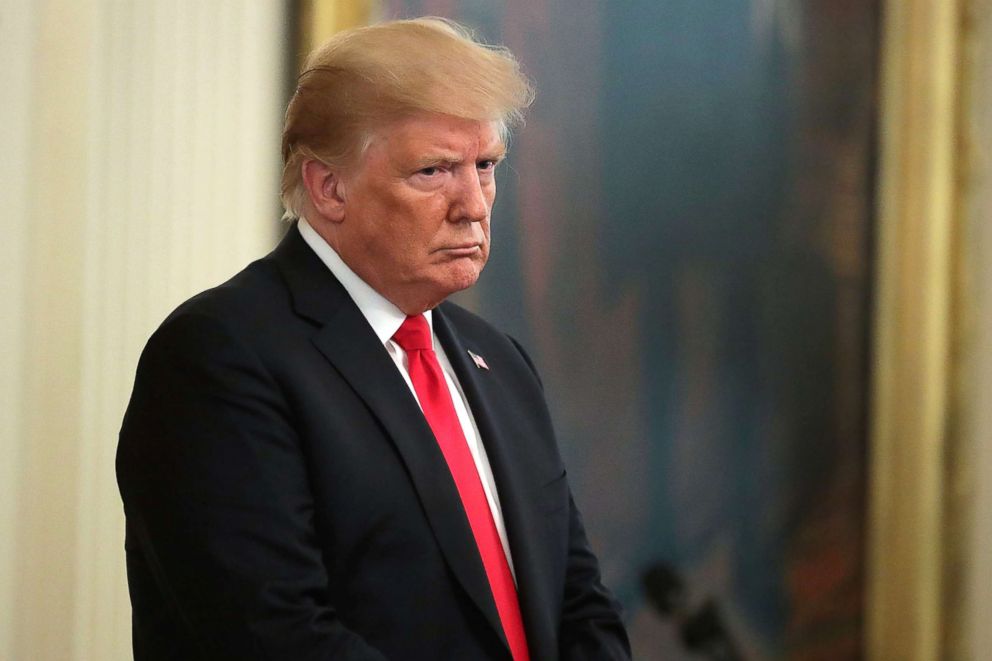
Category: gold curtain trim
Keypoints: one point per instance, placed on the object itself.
(913, 329)
(319, 19)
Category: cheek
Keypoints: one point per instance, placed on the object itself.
(427, 220)
(484, 252)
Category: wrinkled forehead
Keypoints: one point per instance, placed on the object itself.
(425, 135)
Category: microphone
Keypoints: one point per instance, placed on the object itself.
(702, 630)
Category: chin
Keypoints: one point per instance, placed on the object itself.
(467, 272)
(462, 284)
(459, 281)
(440, 282)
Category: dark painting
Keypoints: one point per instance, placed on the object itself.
(681, 239)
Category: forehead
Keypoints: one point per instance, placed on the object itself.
(442, 136)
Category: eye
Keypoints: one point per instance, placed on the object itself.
(487, 164)
(429, 171)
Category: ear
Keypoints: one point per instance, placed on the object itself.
(325, 189)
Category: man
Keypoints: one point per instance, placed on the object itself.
(321, 459)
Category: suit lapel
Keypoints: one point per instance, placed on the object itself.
(507, 460)
(348, 342)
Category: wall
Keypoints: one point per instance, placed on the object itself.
(140, 165)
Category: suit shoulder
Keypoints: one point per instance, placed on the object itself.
(240, 296)
(242, 309)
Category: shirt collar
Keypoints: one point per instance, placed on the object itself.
(383, 316)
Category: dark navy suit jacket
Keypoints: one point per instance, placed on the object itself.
(285, 498)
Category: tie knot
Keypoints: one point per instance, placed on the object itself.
(414, 334)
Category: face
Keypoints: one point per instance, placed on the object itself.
(415, 221)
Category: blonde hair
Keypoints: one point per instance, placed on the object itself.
(365, 77)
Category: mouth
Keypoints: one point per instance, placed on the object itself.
(465, 250)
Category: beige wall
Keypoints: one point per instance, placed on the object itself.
(140, 165)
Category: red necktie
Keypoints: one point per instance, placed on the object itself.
(414, 336)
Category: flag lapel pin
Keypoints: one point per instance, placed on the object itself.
(479, 361)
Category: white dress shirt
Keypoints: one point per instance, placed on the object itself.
(385, 319)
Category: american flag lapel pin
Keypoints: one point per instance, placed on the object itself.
(479, 361)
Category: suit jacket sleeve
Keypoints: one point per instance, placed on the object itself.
(591, 628)
(219, 510)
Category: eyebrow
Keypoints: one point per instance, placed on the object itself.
(450, 158)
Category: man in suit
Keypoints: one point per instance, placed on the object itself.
(321, 458)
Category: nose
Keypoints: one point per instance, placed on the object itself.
(471, 203)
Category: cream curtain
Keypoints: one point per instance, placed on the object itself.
(140, 165)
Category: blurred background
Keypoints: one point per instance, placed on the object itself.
(748, 244)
